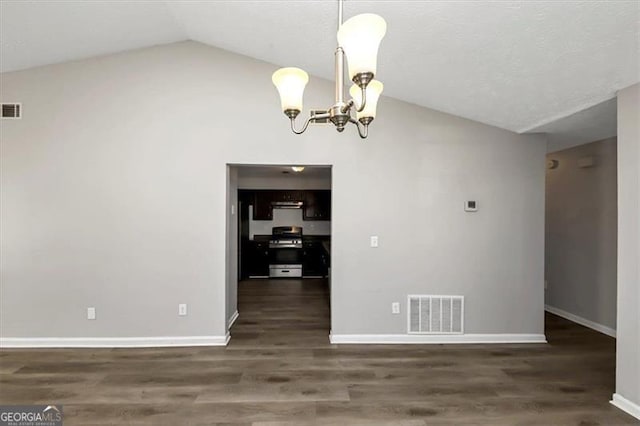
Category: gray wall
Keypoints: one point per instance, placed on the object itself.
(628, 342)
(581, 232)
(114, 195)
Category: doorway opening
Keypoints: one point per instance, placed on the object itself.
(581, 255)
(581, 234)
(279, 245)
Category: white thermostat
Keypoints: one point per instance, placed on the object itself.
(471, 206)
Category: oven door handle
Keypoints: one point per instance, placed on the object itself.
(285, 246)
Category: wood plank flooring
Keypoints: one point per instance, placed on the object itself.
(280, 369)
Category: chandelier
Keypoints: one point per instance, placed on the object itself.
(358, 38)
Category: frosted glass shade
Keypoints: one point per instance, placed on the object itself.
(360, 38)
(290, 83)
(374, 89)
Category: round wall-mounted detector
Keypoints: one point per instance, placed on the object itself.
(552, 164)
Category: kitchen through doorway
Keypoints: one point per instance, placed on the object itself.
(279, 245)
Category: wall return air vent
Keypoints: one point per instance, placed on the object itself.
(429, 314)
(12, 111)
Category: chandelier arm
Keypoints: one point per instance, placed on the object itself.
(364, 131)
(306, 123)
(304, 127)
(348, 106)
(352, 102)
(364, 100)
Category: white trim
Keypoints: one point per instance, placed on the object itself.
(233, 319)
(435, 339)
(625, 405)
(112, 342)
(582, 321)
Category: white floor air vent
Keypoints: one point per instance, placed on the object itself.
(436, 314)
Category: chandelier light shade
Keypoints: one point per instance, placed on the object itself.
(374, 90)
(290, 83)
(359, 38)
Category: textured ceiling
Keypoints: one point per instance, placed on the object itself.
(518, 65)
(592, 124)
(36, 33)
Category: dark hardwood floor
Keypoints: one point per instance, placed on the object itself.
(280, 369)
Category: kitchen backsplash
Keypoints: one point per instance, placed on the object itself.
(287, 217)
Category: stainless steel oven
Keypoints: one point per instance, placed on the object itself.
(285, 252)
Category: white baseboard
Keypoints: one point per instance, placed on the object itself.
(625, 405)
(434, 339)
(582, 321)
(112, 342)
(233, 319)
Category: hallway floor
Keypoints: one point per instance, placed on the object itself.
(279, 369)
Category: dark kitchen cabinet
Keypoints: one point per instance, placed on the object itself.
(262, 208)
(287, 195)
(314, 263)
(317, 205)
(257, 262)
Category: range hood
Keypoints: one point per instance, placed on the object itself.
(287, 204)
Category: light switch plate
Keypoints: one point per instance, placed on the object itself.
(91, 313)
(182, 309)
(374, 241)
(395, 308)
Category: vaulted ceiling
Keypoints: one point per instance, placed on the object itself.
(519, 65)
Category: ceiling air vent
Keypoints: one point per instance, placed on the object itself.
(436, 314)
(11, 111)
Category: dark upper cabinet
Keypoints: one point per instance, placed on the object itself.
(262, 209)
(287, 195)
(317, 205)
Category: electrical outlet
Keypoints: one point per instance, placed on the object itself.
(471, 206)
(91, 313)
(374, 241)
(395, 308)
(182, 309)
